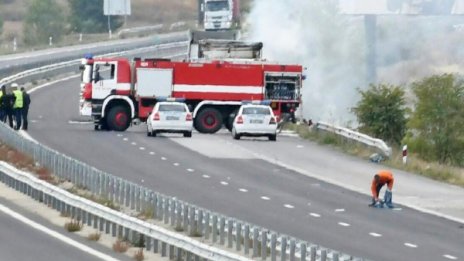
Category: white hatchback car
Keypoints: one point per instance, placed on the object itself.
(172, 117)
(255, 120)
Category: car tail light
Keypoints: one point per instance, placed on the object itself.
(156, 117)
(239, 120)
(189, 117)
(272, 121)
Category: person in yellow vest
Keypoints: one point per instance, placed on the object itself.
(18, 105)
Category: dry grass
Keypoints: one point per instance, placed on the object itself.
(73, 226)
(94, 236)
(121, 246)
(138, 255)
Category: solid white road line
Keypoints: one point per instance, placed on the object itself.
(119, 135)
(55, 234)
(343, 224)
(265, 198)
(288, 206)
(450, 257)
(375, 234)
(51, 83)
(410, 245)
(242, 190)
(314, 215)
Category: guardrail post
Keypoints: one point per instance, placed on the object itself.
(166, 210)
(200, 223)
(148, 243)
(313, 253)
(255, 241)
(222, 226)
(173, 212)
(155, 245)
(89, 219)
(138, 198)
(185, 212)
(113, 229)
(323, 255)
(273, 247)
(207, 226)
(246, 239)
(188, 256)
(84, 217)
(283, 249)
(163, 249)
(179, 254)
(171, 252)
(178, 215)
(101, 223)
(95, 222)
(215, 229)
(127, 189)
(120, 231)
(107, 227)
(303, 252)
(238, 236)
(263, 245)
(132, 196)
(292, 249)
(230, 227)
(192, 222)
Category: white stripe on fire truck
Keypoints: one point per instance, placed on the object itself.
(218, 88)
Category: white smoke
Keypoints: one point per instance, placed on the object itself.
(333, 48)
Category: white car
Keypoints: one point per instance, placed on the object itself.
(172, 117)
(255, 120)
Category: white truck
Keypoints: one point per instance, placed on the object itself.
(219, 15)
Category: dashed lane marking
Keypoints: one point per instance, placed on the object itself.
(242, 190)
(190, 170)
(340, 210)
(125, 139)
(265, 198)
(133, 143)
(375, 234)
(314, 215)
(80, 122)
(152, 153)
(206, 176)
(288, 206)
(119, 135)
(450, 257)
(142, 148)
(343, 224)
(224, 183)
(175, 164)
(299, 146)
(410, 245)
(163, 158)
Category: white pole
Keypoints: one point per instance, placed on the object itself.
(15, 45)
(50, 41)
(80, 37)
(405, 154)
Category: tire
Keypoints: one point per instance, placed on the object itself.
(153, 133)
(235, 135)
(209, 120)
(188, 134)
(273, 137)
(118, 118)
(148, 133)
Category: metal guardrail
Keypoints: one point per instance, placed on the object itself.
(251, 240)
(174, 48)
(350, 134)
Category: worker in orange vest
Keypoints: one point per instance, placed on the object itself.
(380, 179)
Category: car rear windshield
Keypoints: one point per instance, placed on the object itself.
(172, 107)
(256, 110)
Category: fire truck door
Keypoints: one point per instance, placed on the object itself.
(104, 77)
(154, 82)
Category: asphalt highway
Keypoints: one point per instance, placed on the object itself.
(223, 175)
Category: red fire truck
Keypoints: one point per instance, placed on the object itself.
(116, 92)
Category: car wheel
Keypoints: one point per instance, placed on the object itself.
(188, 134)
(208, 120)
(153, 133)
(273, 137)
(235, 135)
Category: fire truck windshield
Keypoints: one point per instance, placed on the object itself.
(214, 6)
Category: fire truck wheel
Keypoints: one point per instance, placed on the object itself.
(118, 118)
(208, 120)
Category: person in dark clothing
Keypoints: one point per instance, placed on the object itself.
(7, 102)
(26, 103)
(2, 111)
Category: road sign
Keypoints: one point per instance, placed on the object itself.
(117, 7)
(402, 7)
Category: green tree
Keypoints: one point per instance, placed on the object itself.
(436, 128)
(44, 19)
(381, 112)
(89, 18)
